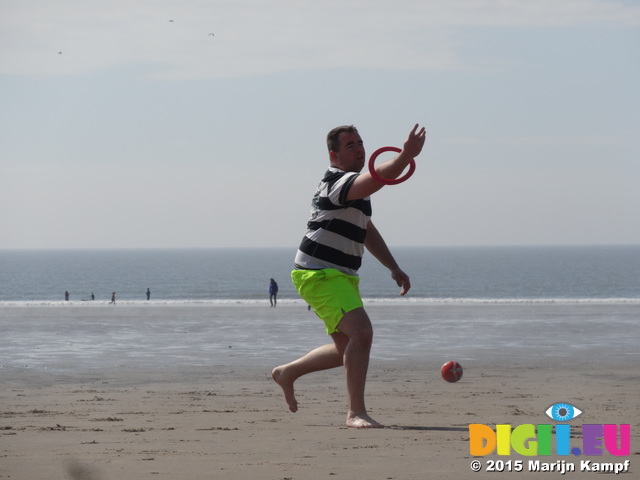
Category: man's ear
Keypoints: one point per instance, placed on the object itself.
(332, 156)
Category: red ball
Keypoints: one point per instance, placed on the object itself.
(451, 371)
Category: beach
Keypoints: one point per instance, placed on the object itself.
(121, 416)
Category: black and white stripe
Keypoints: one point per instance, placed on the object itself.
(337, 228)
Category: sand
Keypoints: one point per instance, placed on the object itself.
(231, 421)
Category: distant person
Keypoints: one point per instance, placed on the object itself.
(93, 297)
(273, 292)
(148, 294)
(66, 295)
(113, 298)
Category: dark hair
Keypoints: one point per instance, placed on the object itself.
(333, 137)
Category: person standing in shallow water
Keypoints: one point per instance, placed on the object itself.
(273, 292)
(327, 261)
(113, 298)
(148, 294)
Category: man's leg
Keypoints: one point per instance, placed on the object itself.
(356, 326)
(322, 358)
(351, 348)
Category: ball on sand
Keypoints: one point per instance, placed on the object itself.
(451, 371)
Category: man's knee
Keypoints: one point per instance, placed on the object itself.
(357, 326)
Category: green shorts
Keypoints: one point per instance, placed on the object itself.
(329, 292)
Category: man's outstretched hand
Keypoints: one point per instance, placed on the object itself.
(415, 141)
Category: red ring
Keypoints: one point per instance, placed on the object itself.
(378, 178)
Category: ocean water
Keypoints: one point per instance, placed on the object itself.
(210, 307)
(454, 274)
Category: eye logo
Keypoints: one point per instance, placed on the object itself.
(563, 412)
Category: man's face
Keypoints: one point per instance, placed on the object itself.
(350, 157)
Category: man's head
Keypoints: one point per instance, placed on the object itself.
(346, 150)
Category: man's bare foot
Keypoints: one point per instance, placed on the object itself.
(362, 421)
(286, 384)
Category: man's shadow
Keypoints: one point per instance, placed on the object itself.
(432, 429)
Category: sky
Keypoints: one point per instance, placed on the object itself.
(202, 123)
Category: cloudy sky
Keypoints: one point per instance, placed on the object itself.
(202, 123)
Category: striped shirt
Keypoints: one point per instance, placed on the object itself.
(337, 228)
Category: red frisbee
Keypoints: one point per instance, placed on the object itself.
(386, 181)
(451, 371)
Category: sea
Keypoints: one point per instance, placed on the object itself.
(211, 307)
(592, 274)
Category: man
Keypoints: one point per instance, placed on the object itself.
(328, 259)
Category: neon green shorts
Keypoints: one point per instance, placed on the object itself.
(329, 292)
